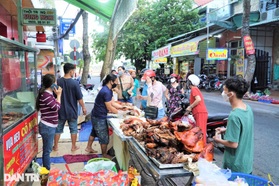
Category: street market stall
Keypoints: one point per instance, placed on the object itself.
(153, 168)
(18, 125)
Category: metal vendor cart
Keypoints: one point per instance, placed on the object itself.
(159, 172)
(18, 124)
(152, 168)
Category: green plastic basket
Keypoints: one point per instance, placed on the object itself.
(251, 179)
(104, 159)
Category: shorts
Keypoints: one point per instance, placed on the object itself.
(100, 130)
(72, 125)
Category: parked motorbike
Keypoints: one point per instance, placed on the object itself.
(203, 79)
(87, 86)
(214, 121)
(213, 83)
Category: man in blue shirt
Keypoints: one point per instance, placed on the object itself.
(70, 98)
(103, 104)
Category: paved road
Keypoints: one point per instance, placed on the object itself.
(266, 127)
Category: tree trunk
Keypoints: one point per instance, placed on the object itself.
(85, 49)
(110, 53)
(251, 65)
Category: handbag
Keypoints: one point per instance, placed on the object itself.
(125, 93)
(151, 112)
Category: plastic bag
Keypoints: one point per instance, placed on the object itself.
(99, 165)
(100, 178)
(188, 120)
(210, 174)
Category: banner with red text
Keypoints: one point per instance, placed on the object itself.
(161, 52)
(248, 44)
(20, 146)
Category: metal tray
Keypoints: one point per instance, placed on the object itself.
(155, 161)
(139, 145)
(166, 166)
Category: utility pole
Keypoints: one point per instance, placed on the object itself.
(207, 36)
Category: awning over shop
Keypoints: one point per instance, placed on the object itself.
(191, 47)
(254, 18)
(117, 11)
(101, 8)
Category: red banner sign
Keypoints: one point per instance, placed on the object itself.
(161, 52)
(249, 46)
(20, 146)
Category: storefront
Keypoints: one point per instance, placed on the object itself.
(18, 90)
(191, 55)
(18, 126)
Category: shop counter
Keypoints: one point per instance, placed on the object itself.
(119, 143)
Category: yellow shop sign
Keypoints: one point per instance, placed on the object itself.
(217, 54)
(184, 49)
(161, 60)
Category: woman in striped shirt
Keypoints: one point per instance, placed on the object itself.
(48, 106)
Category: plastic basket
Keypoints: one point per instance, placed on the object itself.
(251, 179)
(104, 159)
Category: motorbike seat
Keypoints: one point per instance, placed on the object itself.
(217, 117)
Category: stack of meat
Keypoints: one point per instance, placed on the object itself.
(131, 110)
(168, 142)
(11, 117)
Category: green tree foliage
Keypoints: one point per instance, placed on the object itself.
(149, 28)
(99, 45)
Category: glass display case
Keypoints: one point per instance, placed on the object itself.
(18, 124)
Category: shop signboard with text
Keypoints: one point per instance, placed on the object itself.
(65, 24)
(161, 52)
(161, 60)
(20, 146)
(217, 54)
(185, 49)
(240, 62)
(35, 16)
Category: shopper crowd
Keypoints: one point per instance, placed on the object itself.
(58, 104)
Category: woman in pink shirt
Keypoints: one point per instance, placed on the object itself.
(155, 92)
